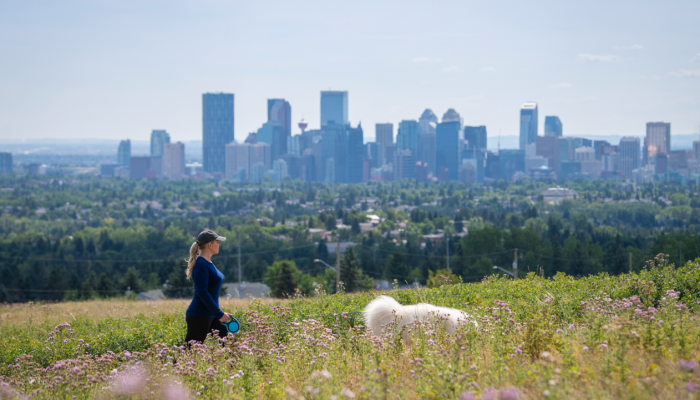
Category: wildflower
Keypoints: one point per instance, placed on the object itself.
(571, 327)
(467, 395)
(552, 382)
(691, 387)
(585, 348)
(431, 342)
(473, 366)
(347, 393)
(546, 393)
(510, 393)
(688, 365)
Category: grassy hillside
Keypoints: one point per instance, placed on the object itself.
(630, 336)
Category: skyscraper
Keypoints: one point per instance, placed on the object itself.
(279, 110)
(356, 154)
(451, 116)
(447, 148)
(428, 121)
(158, 139)
(408, 137)
(124, 152)
(5, 163)
(553, 126)
(273, 134)
(528, 124)
(657, 141)
(404, 165)
(335, 147)
(476, 136)
(173, 160)
(629, 155)
(334, 107)
(384, 136)
(426, 151)
(217, 130)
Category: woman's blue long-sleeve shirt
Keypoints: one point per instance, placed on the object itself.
(207, 286)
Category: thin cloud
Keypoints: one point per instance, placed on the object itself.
(636, 47)
(487, 69)
(449, 69)
(686, 73)
(562, 85)
(598, 58)
(697, 57)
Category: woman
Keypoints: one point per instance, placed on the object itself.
(203, 315)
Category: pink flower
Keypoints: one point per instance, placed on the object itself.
(688, 365)
(510, 393)
(691, 387)
(585, 348)
(467, 395)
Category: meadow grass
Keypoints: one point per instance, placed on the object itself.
(630, 336)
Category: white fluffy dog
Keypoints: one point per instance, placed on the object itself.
(384, 310)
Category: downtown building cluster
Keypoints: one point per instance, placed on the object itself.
(425, 149)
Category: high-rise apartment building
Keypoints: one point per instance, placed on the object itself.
(5, 163)
(629, 155)
(238, 161)
(356, 154)
(528, 124)
(384, 136)
(334, 107)
(657, 141)
(447, 148)
(124, 152)
(511, 161)
(408, 136)
(476, 136)
(553, 126)
(173, 160)
(158, 139)
(217, 130)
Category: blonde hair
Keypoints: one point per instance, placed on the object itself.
(195, 249)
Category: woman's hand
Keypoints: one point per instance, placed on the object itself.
(225, 318)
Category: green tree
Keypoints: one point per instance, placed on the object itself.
(395, 268)
(351, 275)
(132, 281)
(177, 285)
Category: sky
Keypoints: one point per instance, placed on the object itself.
(119, 69)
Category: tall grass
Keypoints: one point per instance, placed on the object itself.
(630, 336)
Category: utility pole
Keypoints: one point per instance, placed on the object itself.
(515, 263)
(447, 251)
(630, 255)
(337, 268)
(239, 262)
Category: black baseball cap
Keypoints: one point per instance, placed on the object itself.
(208, 236)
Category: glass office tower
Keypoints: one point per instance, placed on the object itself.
(217, 130)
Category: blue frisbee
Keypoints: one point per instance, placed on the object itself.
(232, 325)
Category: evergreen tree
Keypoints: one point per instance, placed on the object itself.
(104, 285)
(56, 284)
(177, 284)
(395, 268)
(355, 227)
(426, 266)
(132, 281)
(615, 258)
(285, 282)
(322, 250)
(89, 285)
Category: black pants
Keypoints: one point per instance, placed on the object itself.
(198, 328)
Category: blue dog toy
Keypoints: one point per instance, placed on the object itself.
(232, 325)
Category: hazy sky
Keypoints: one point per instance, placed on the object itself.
(118, 69)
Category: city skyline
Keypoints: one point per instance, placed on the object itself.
(601, 73)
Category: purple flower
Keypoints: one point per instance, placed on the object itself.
(431, 342)
(467, 395)
(688, 365)
(585, 348)
(510, 393)
(691, 387)
(489, 394)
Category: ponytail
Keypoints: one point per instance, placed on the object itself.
(194, 251)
